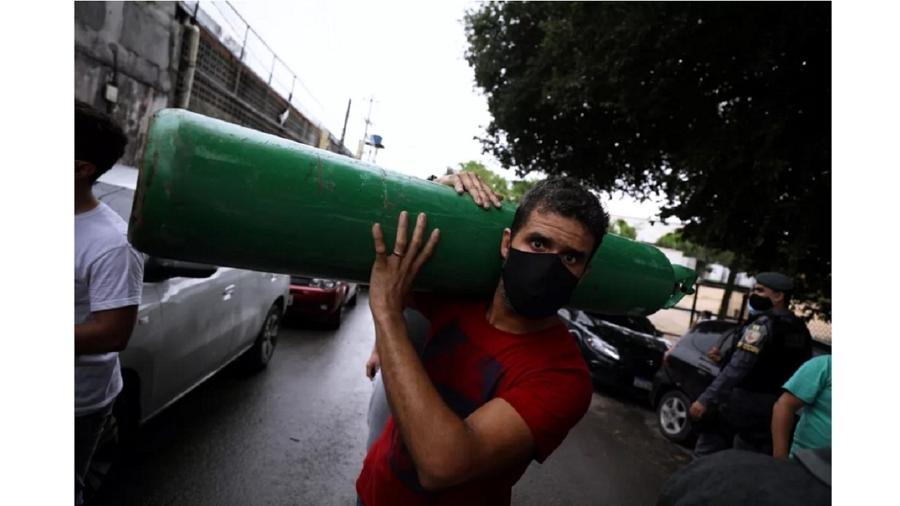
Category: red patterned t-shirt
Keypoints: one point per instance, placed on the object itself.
(542, 375)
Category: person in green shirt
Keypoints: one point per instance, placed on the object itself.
(809, 388)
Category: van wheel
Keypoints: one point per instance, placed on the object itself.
(259, 355)
(673, 416)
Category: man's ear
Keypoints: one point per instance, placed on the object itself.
(505, 243)
(777, 296)
(84, 170)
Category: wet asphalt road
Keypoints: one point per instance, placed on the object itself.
(295, 434)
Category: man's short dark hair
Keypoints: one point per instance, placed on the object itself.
(98, 139)
(564, 196)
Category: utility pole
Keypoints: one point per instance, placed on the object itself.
(362, 143)
(346, 117)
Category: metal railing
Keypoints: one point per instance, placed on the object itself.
(236, 34)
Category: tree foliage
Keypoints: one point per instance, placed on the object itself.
(722, 108)
(621, 227)
(704, 255)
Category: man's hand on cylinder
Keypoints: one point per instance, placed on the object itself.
(395, 269)
(471, 183)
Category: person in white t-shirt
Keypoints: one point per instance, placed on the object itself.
(108, 283)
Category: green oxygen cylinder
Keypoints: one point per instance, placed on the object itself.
(218, 193)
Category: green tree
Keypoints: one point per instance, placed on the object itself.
(703, 254)
(671, 240)
(706, 256)
(723, 108)
(621, 227)
(519, 187)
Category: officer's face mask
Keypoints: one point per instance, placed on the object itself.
(759, 303)
(536, 284)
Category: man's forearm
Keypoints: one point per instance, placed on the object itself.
(93, 337)
(713, 393)
(782, 423)
(106, 331)
(733, 372)
(436, 437)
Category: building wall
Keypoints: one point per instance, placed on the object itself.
(138, 47)
(129, 44)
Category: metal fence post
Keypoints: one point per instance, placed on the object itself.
(272, 71)
(237, 80)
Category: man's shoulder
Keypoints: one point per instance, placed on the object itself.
(102, 227)
(101, 235)
(816, 365)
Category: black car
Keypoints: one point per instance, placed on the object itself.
(622, 352)
(685, 374)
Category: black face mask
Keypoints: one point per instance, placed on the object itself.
(760, 303)
(537, 284)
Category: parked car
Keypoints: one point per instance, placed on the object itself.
(685, 374)
(193, 320)
(621, 351)
(321, 300)
(687, 371)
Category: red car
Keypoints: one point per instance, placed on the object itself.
(320, 300)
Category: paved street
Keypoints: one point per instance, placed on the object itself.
(295, 435)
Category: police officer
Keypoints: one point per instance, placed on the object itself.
(773, 344)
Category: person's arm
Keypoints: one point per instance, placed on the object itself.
(783, 414)
(446, 449)
(739, 365)
(116, 281)
(107, 331)
(481, 193)
(801, 389)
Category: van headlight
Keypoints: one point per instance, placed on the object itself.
(602, 347)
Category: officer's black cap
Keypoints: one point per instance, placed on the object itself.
(775, 281)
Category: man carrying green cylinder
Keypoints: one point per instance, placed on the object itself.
(500, 381)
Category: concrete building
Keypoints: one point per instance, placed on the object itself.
(134, 58)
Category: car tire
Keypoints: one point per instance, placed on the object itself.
(672, 414)
(259, 355)
(352, 301)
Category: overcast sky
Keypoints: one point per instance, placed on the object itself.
(410, 57)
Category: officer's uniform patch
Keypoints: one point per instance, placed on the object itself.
(748, 347)
(753, 338)
(753, 334)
